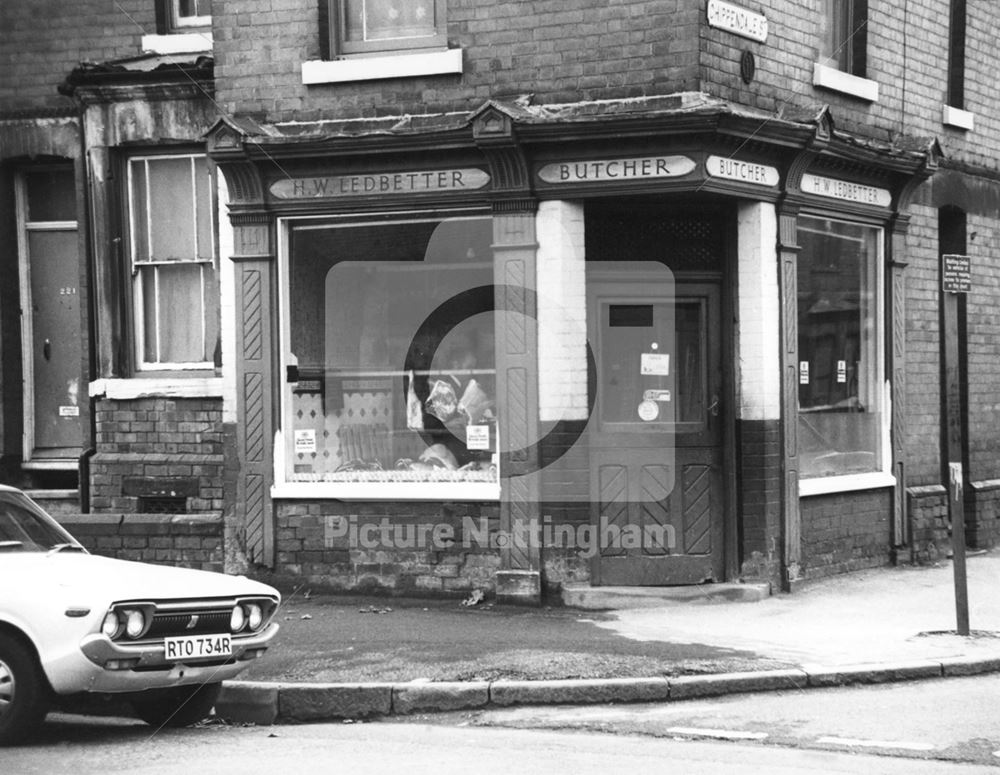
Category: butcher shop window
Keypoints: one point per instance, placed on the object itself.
(389, 368)
(843, 425)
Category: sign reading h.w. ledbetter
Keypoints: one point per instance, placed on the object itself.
(386, 183)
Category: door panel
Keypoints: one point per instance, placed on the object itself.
(56, 346)
(50, 298)
(657, 474)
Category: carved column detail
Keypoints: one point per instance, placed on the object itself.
(896, 369)
(256, 375)
(788, 250)
(515, 248)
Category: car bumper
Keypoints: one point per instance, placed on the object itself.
(126, 667)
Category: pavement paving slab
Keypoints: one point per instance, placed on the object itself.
(354, 657)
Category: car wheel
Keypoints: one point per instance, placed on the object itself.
(23, 691)
(177, 707)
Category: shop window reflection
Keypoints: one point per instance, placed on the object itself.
(841, 398)
(387, 388)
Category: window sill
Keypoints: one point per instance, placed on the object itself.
(380, 491)
(958, 118)
(179, 43)
(446, 62)
(834, 484)
(157, 387)
(837, 80)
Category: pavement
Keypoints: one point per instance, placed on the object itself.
(353, 658)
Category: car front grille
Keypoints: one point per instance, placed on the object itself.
(168, 624)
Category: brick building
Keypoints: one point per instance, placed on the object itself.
(433, 296)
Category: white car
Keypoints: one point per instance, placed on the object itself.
(73, 624)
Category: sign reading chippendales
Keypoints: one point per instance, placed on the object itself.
(610, 170)
(846, 190)
(421, 182)
(737, 20)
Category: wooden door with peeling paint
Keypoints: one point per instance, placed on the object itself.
(656, 436)
(52, 342)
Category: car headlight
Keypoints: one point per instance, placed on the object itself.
(135, 623)
(111, 627)
(255, 616)
(238, 619)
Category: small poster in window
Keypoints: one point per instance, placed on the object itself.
(803, 372)
(477, 436)
(305, 441)
(657, 364)
(841, 371)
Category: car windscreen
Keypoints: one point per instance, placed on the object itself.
(24, 527)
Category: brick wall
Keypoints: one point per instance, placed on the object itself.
(389, 548)
(846, 532)
(187, 541)
(560, 50)
(158, 447)
(927, 507)
(563, 51)
(41, 41)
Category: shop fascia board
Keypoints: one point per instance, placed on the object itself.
(861, 156)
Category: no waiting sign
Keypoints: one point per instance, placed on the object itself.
(956, 273)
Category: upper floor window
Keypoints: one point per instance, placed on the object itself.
(362, 26)
(845, 35)
(174, 274)
(956, 55)
(185, 14)
(182, 27)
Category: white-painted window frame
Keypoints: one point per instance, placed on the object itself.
(348, 491)
(872, 479)
(138, 273)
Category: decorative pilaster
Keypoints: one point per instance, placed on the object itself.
(515, 248)
(256, 370)
(255, 281)
(788, 251)
(896, 368)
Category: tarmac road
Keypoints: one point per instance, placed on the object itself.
(83, 746)
(943, 720)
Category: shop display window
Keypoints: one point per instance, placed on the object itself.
(841, 393)
(390, 372)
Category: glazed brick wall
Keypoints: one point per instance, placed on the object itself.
(160, 439)
(188, 541)
(315, 545)
(760, 498)
(41, 41)
(846, 532)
